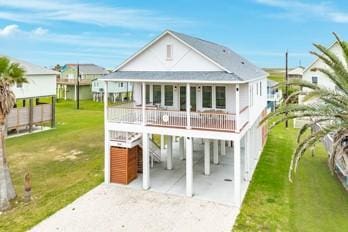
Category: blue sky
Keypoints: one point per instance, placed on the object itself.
(106, 32)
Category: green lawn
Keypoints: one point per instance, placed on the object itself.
(315, 201)
(64, 162)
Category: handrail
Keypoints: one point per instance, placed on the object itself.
(244, 109)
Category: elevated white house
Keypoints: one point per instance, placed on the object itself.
(274, 95)
(32, 112)
(195, 94)
(119, 91)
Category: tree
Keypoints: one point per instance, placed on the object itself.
(10, 73)
(321, 106)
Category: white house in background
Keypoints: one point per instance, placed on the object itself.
(312, 75)
(274, 95)
(196, 94)
(120, 91)
(41, 84)
(296, 72)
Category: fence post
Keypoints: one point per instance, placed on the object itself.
(30, 115)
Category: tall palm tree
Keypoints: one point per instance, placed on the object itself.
(323, 106)
(10, 73)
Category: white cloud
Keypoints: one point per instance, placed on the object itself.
(89, 13)
(298, 10)
(9, 30)
(39, 31)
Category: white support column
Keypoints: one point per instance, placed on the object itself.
(236, 171)
(223, 147)
(144, 103)
(216, 151)
(162, 148)
(182, 148)
(146, 162)
(162, 95)
(65, 90)
(151, 93)
(237, 107)
(189, 168)
(206, 157)
(188, 105)
(106, 138)
(170, 152)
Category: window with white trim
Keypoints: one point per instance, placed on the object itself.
(19, 85)
(315, 80)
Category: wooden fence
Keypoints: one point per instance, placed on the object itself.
(24, 117)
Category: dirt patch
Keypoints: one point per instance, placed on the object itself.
(71, 155)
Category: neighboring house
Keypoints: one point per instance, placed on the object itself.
(274, 95)
(117, 91)
(195, 91)
(67, 83)
(31, 112)
(312, 75)
(296, 72)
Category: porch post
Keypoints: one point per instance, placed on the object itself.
(188, 107)
(144, 103)
(206, 157)
(31, 115)
(169, 152)
(146, 162)
(106, 138)
(237, 108)
(223, 147)
(189, 168)
(65, 90)
(53, 112)
(236, 171)
(181, 148)
(216, 151)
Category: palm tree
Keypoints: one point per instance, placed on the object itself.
(321, 106)
(10, 73)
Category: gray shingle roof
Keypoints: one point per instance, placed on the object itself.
(224, 56)
(32, 69)
(172, 76)
(238, 68)
(271, 83)
(89, 69)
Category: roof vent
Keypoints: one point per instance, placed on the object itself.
(223, 50)
(242, 62)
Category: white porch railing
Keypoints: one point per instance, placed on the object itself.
(166, 118)
(178, 119)
(125, 115)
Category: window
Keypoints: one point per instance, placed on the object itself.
(19, 85)
(315, 80)
(220, 97)
(168, 95)
(147, 92)
(121, 84)
(156, 94)
(169, 52)
(207, 96)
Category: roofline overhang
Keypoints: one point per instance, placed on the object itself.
(181, 81)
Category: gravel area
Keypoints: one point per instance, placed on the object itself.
(118, 208)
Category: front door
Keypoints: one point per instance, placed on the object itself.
(183, 98)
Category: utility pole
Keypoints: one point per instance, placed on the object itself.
(286, 84)
(78, 88)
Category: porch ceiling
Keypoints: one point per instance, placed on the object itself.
(165, 76)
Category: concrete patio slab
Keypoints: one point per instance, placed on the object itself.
(120, 208)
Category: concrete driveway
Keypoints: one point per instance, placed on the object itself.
(118, 208)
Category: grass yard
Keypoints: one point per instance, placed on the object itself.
(64, 163)
(314, 202)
